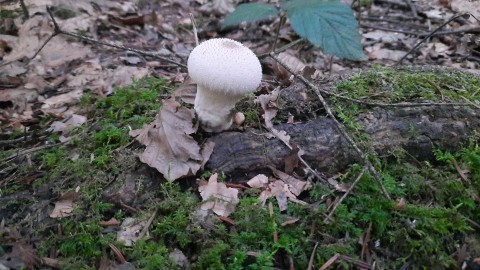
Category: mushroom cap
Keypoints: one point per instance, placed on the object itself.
(226, 66)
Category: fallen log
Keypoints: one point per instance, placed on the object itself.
(417, 130)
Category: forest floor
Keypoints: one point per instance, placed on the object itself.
(75, 195)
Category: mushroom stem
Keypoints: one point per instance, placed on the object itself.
(214, 109)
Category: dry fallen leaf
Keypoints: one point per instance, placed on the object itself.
(296, 186)
(130, 231)
(270, 109)
(74, 120)
(65, 205)
(218, 197)
(169, 148)
(187, 91)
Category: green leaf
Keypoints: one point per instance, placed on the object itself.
(327, 24)
(249, 13)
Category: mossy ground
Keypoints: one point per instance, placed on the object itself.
(435, 222)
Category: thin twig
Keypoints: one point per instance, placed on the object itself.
(194, 25)
(149, 222)
(412, 8)
(281, 49)
(360, 175)
(383, 28)
(26, 15)
(277, 32)
(312, 257)
(275, 233)
(31, 150)
(427, 37)
(338, 125)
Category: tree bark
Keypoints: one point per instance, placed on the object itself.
(416, 129)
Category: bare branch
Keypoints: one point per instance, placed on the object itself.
(338, 125)
(429, 36)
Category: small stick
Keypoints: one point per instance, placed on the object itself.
(194, 25)
(365, 168)
(149, 222)
(305, 163)
(312, 257)
(277, 33)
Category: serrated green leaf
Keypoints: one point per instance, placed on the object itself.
(249, 13)
(327, 24)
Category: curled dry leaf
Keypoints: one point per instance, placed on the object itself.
(169, 148)
(217, 197)
(65, 205)
(258, 181)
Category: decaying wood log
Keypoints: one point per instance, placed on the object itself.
(416, 129)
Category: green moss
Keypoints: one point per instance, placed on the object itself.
(408, 85)
(150, 255)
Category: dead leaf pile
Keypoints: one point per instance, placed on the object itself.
(284, 188)
(57, 76)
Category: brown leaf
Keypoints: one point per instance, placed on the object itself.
(277, 189)
(218, 197)
(291, 161)
(65, 205)
(290, 221)
(169, 148)
(110, 223)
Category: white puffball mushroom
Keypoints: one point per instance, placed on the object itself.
(239, 119)
(224, 70)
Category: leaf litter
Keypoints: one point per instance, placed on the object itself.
(175, 160)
